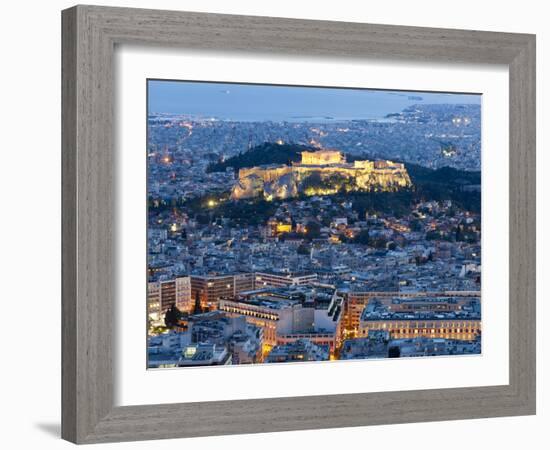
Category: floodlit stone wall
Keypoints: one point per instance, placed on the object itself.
(286, 181)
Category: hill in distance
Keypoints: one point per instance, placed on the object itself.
(272, 153)
(462, 187)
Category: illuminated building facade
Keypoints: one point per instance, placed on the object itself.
(276, 227)
(207, 290)
(323, 158)
(285, 320)
(443, 318)
(161, 295)
(271, 279)
(274, 317)
(354, 305)
(356, 301)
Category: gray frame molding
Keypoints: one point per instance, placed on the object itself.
(89, 37)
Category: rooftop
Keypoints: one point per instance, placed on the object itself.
(438, 308)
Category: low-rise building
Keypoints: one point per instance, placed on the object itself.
(281, 279)
(373, 346)
(201, 354)
(432, 317)
(243, 340)
(434, 347)
(164, 350)
(298, 351)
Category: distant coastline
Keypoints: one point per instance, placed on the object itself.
(261, 103)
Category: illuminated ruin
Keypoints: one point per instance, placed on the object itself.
(323, 172)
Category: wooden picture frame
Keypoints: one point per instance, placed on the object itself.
(90, 34)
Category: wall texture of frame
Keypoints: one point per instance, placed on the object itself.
(90, 34)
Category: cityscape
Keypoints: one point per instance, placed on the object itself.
(292, 224)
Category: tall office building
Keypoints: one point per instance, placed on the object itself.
(208, 289)
(161, 295)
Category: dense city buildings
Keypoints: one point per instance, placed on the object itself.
(314, 238)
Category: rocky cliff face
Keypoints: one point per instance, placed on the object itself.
(383, 181)
(248, 187)
(286, 186)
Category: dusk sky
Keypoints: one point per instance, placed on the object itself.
(267, 102)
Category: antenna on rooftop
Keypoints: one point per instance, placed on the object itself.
(249, 141)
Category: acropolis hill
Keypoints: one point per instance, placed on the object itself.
(322, 172)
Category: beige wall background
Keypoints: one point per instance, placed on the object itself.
(30, 220)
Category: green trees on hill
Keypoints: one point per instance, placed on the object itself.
(172, 317)
(266, 153)
(313, 230)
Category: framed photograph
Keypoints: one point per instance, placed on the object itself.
(296, 232)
